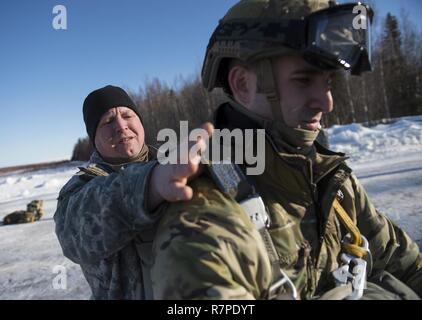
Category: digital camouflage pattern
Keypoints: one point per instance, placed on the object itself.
(34, 211)
(252, 30)
(207, 249)
(102, 225)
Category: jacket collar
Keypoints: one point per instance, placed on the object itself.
(322, 159)
(98, 161)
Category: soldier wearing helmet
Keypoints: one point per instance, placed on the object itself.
(305, 228)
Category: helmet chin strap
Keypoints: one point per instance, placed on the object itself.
(280, 133)
(277, 128)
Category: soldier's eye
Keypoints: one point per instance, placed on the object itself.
(108, 121)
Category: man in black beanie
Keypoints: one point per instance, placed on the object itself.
(100, 211)
(106, 212)
(114, 125)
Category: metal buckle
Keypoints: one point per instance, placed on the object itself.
(353, 270)
(255, 208)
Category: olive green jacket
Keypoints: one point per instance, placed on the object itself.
(207, 248)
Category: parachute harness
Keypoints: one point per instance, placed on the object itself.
(352, 274)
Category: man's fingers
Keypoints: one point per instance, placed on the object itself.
(184, 171)
(197, 172)
(198, 142)
(208, 127)
(195, 145)
(189, 166)
(179, 192)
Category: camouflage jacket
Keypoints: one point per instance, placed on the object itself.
(101, 224)
(207, 248)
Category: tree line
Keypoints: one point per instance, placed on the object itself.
(393, 89)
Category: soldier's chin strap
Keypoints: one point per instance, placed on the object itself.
(277, 128)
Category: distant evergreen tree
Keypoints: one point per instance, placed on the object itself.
(394, 66)
(82, 150)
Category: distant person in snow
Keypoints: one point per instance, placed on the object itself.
(106, 211)
(34, 212)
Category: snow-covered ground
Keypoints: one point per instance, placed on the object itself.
(29, 253)
(386, 158)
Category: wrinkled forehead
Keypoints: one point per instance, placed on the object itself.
(112, 112)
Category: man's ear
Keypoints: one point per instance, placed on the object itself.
(241, 84)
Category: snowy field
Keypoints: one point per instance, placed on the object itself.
(386, 158)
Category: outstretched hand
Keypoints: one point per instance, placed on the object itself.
(169, 182)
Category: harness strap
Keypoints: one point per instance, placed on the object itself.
(267, 84)
(91, 172)
(355, 246)
(231, 181)
(353, 271)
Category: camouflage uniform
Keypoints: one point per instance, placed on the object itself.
(209, 244)
(36, 206)
(101, 222)
(207, 248)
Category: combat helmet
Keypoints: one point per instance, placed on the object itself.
(327, 34)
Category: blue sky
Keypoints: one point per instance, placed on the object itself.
(45, 74)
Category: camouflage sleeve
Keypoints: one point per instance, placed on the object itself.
(208, 248)
(392, 249)
(97, 218)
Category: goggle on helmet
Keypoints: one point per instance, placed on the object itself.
(331, 38)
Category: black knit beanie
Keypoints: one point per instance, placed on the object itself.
(100, 101)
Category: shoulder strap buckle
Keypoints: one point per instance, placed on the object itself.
(353, 270)
(255, 208)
